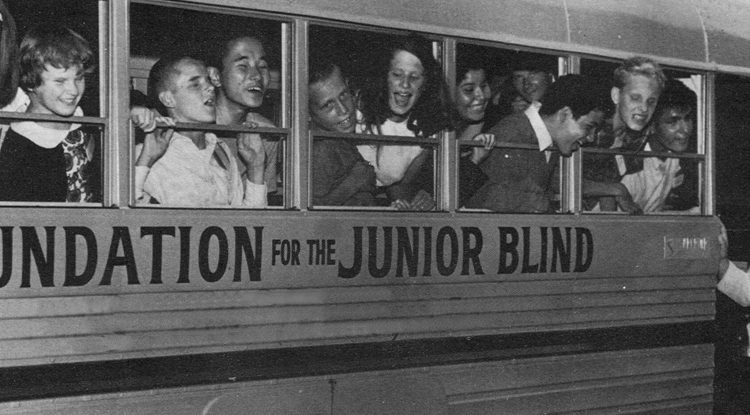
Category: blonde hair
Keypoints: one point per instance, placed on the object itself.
(639, 65)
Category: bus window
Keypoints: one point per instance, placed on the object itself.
(514, 176)
(239, 63)
(617, 173)
(394, 92)
(599, 68)
(516, 77)
(82, 18)
(52, 136)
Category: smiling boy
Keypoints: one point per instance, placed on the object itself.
(190, 168)
(522, 180)
(638, 82)
(340, 175)
(672, 132)
(240, 71)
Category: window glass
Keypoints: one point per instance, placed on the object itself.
(235, 64)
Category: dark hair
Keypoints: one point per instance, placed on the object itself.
(472, 63)
(215, 56)
(54, 45)
(320, 69)
(160, 75)
(676, 95)
(8, 56)
(529, 63)
(431, 112)
(463, 67)
(638, 65)
(582, 94)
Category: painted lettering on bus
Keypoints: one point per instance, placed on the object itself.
(213, 253)
(413, 247)
(81, 248)
(410, 251)
(554, 254)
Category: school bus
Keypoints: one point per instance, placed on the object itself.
(112, 307)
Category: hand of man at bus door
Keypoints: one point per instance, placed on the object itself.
(478, 154)
(723, 256)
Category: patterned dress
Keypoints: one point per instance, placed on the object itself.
(77, 166)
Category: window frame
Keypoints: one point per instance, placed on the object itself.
(286, 78)
(102, 120)
(299, 137)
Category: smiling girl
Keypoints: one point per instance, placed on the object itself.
(408, 99)
(47, 161)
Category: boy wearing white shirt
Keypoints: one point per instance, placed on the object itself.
(672, 132)
(190, 168)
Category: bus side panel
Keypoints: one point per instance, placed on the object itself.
(297, 397)
(663, 380)
(676, 378)
(231, 282)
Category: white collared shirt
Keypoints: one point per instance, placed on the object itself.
(188, 176)
(651, 185)
(540, 129)
(42, 136)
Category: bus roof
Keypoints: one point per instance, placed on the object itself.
(702, 34)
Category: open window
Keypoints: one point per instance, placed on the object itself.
(520, 174)
(244, 57)
(652, 145)
(52, 131)
(391, 101)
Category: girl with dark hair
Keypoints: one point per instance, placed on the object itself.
(409, 98)
(470, 103)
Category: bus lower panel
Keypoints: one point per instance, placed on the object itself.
(666, 380)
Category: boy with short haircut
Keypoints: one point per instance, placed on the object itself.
(47, 161)
(240, 71)
(190, 168)
(523, 180)
(340, 175)
(662, 183)
(638, 82)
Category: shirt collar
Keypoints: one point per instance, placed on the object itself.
(185, 145)
(537, 124)
(43, 136)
